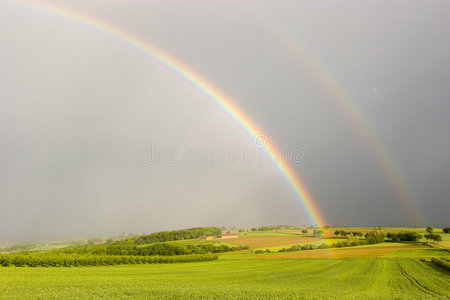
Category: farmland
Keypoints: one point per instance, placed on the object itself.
(271, 241)
(377, 271)
(354, 252)
(400, 278)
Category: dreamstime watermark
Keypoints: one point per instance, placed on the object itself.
(260, 155)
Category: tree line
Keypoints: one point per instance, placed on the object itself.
(404, 236)
(69, 260)
(344, 233)
(274, 227)
(378, 236)
(165, 249)
(175, 235)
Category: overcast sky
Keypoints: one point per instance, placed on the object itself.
(83, 116)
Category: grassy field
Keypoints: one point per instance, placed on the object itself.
(378, 271)
(361, 278)
(360, 251)
(256, 242)
(445, 240)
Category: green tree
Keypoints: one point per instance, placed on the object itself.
(430, 234)
(446, 229)
(317, 231)
(437, 238)
(374, 237)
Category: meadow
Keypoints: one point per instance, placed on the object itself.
(361, 278)
(379, 271)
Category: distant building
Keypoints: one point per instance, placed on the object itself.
(229, 236)
(204, 237)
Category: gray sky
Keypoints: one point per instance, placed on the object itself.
(97, 138)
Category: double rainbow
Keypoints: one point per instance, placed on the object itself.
(295, 182)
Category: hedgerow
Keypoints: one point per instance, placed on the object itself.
(69, 260)
(148, 250)
(303, 247)
(442, 262)
(174, 235)
(371, 238)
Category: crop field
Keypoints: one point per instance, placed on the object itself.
(445, 240)
(305, 241)
(360, 278)
(353, 252)
(259, 149)
(385, 270)
(270, 241)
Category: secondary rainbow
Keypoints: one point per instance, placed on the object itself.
(293, 179)
(355, 116)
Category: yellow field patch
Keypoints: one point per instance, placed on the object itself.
(445, 244)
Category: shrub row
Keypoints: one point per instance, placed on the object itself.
(148, 250)
(175, 235)
(442, 262)
(371, 238)
(295, 248)
(303, 247)
(351, 243)
(68, 260)
(277, 227)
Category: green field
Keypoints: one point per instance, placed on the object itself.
(382, 278)
(385, 270)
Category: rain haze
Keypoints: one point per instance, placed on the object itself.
(99, 138)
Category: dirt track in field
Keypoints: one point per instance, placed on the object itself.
(270, 241)
(344, 252)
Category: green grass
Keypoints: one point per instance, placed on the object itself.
(387, 244)
(399, 275)
(328, 242)
(399, 278)
(432, 252)
(445, 236)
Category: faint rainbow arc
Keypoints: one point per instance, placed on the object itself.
(293, 179)
(361, 126)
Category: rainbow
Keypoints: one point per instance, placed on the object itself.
(354, 115)
(295, 182)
